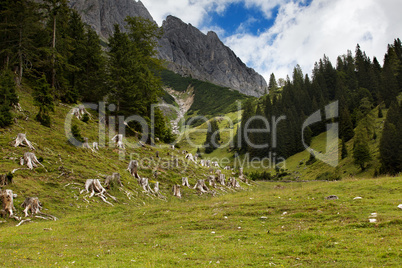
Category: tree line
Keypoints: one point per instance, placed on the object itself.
(45, 45)
(357, 82)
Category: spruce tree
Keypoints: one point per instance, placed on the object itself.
(8, 97)
(272, 85)
(213, 137)
(361, 150)
(344, 150)
(43, 98)
(391, 141)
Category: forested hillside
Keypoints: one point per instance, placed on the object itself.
(357, 83)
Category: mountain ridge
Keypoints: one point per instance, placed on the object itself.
(187, 50)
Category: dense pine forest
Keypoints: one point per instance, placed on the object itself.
(46, 46)
(358, 83)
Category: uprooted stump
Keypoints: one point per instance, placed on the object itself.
(30, 160)
(21, 140)
(7, 200)
(113, 180)
(176, 191)
(31, 204)
(201, 186)
(185, 182)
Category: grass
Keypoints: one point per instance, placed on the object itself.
(248, 228)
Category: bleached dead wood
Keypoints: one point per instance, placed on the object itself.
(80, 111)
(157, 192)
(233, 182)
(95, 146)
(85, 145)
(23, 221)
(112, 179)
(208, 163)
(31, 204)
(211, 181)
(21, 140)
(190, 157)
(145, 185)
(221, 179)
(172, 146)
(176, 191)
(215, 164)
(200, 185)
(185, 182)
(30, 160)
(202, 163)
(118, 139)
(133, 169)
(94, 185)
(7, 199)
(227, 168)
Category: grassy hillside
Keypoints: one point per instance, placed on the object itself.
(275, 224)
(210, 99)
(68, 167)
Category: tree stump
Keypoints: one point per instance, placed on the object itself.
(190, 157)
(94, 186)
(145, 185)
(95, 146)
(21, 140)
(32, 204)
(85, 145)
(233, 182)
(7, 200)
(176, 191)
(6, 179)
(132, 168)
(185, 182)
(211, 181)
(208, 163)
(221, 179)
(80, 111)
(201, 186)
(113, 180)
(30, 160)
(118, 139)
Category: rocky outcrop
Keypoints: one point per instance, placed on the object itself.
(190, 52)
(187, 50)
(103, 14)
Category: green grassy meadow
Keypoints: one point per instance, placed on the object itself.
(270, 224)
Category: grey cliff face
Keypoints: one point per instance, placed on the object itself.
(190, 52)
(103, 14)
(186, 49)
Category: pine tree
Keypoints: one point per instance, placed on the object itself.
(8, 97)
(213, 137)
(346, 126)
(272, 85)
(391, 141)
(380, 114)
(43, 98)
(361, 150)
(344, 150)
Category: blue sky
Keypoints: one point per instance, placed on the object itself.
(272, 36)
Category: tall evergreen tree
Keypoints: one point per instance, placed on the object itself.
(213, 137)
(361, 150)
(8, 97)
(391, 141)
(43, 98)
(272, 85)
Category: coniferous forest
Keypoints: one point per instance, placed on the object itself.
(358, 83)
(46, 46)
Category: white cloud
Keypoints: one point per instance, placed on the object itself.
(302, 35)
